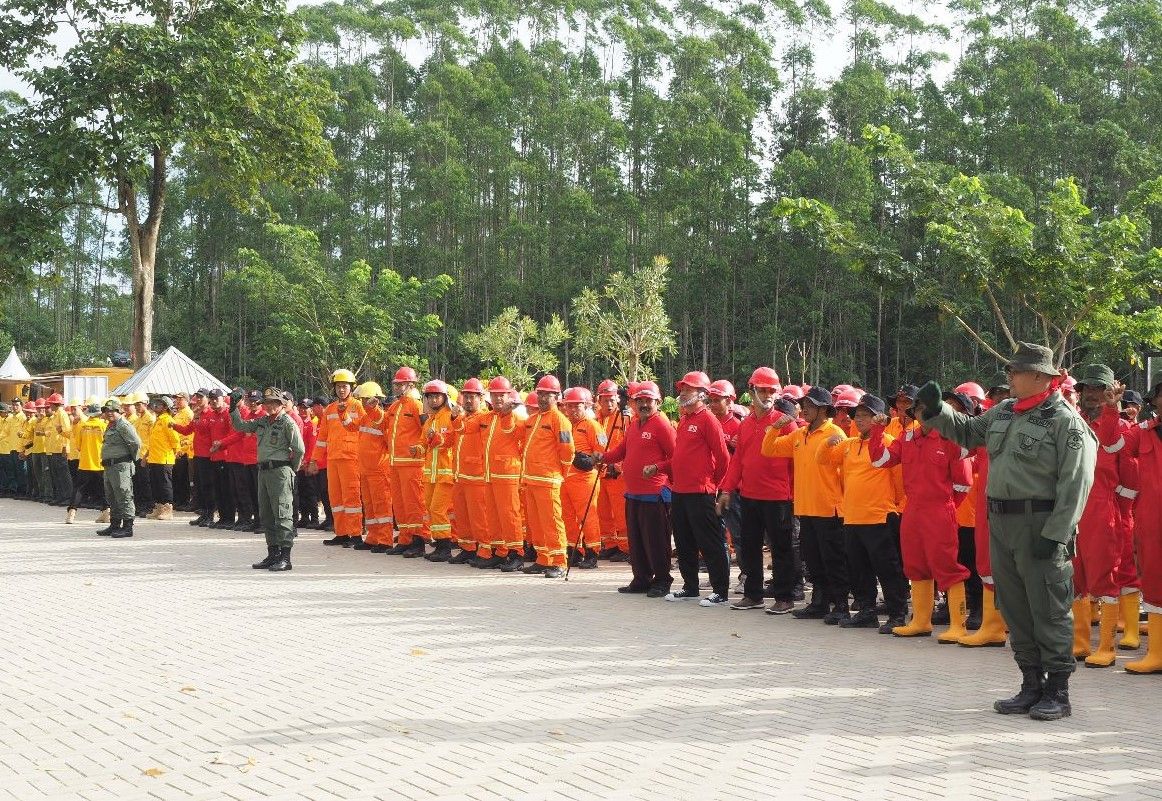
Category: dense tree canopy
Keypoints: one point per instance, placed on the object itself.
(979, 173)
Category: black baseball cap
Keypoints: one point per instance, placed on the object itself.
(909, 391)
(873, 404)
(215, 393)
(820, 397)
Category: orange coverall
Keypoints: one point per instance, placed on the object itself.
(503, 443)
(338, 447)
(580, 490)
(438, 473)
(371, 449)
(611, 495)
(403, 428)
(548, 451)
(470, 493)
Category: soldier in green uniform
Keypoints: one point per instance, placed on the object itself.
(280, 452)
(1042, 456)
(119, 449)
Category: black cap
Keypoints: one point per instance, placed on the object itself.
(819, 396)
(787, 406)
(1131, 397)
(287, 396)
(909, 391)
(254, 395)
(873, 404)
(215, 393)
(201, 391)
(306, 402)
(966, 403)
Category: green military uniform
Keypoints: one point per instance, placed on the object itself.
(119, 449)
(1041, 468)
(280, 452)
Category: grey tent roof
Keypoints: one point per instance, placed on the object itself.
(171, 372)
(13, 368)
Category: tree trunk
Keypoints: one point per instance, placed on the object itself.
(143, 237)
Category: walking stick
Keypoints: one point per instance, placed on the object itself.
(622, 407)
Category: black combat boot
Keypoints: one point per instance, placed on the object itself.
(336, 540)
(1054, 703)
(126, 529)
(416, 549)
(200, 520)
(271, 558)
(113, 527)
(397, 549)
(589, 561)
(462, 558)
(361, 544)
(1026, 697)
(281, 560)
(442, 553)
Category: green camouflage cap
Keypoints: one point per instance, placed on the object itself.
(1095, 375)
(111, 405)
(92, 409)
(1033, 358)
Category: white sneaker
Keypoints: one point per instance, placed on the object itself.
(741, 586)
(70, 515)
(681, 595)
(714, 599)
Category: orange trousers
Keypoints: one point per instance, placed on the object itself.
(505, 528)
(579, 502)
(343, 492)
(545, 523)
(438, 501)
(376, 489)
(611, 511)
(470, 516)
(407, 502)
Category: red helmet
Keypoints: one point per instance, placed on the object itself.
(723, 389)
(405, 374)
(577, 395)
(765, 378)
(840, 388)
(847, 398)
(793, 392)
(549, 383)
(54, 398)
(607, 388)
(531, 400)
(436, 386)
(695, 380)
(1069, 383)
(972, 390)
(647, 389)
(500, 384)
(473, 385)
(29, 406)
(41, 403)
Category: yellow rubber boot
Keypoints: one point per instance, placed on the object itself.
(1105, 654)
(1128, 605)
(1081, 625)
(957, 612)
(1152, 662)
(921, 625)
(992, 632)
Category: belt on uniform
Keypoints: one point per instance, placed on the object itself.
(998, 507)
(272, 465)
(119, 460)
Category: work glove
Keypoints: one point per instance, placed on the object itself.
(235, 396)
(929, 398)
(1045, 548)
(583, 461)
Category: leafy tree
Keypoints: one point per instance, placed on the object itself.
(516, 346)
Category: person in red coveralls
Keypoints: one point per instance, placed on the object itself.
(696, 468)
(649, 441)
(242, 458)
(763, 486)
(306, 488)
(200, 427)
(220, 428)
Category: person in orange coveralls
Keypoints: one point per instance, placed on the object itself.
(339, 447)
(374, 485)
(611, 494)
(503, 434)
(403, 427)
(582, 483)
(548, 451)
(438, 474)
(469, 493)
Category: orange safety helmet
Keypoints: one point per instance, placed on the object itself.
(793, 392)
(474, 386)
(695, 379)
(404, 374)
(765, 378)
(607, 388)
(531, 400)
(435, 386)
(55, 398)
(577, 395)
(723, 389)
(549, 383)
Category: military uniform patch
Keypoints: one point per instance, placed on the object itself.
(1074, 440)
(1028, 443)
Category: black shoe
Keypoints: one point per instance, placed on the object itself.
(1054, 703)
(206, 522)
(893, 622)
(349, 542)
(198, 521)
(619, 556)
(531, 570)
(335, 541)
(415, 550)
(512, 564)
(605, 553)
(282, 561)
(491, 563)
(589, 562)
(972, 623)
(113, 527)
(940, 615)
(530, 554)
(327, 525)
(442, 552)
(574, 556)
(836, 617)
(657, 591)
(462, 558)
(271, 558)
(552, 572)
(1029, 694)
(378, 549)
(798, 594)
(242, 525)
(629, 589)
(361, 544)
(396, 550)
(126, 530)
(865, 619)
(811, 612)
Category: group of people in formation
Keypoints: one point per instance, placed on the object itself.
(841, 487)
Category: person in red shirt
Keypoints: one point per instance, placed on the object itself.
(219, 429)
(763, 487)
(306, 487)
(696, 468)
(200, 427)
(720, 401)
(649, 441)
(242, 456)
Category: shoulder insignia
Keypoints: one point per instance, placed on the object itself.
(1074, 441)
(1028, 443)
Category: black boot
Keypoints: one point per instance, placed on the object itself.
(443, 552)
(109, 530)
(416, 549)
(361, 544)
(1026, 697)
(336, 540)
(462, 558)
(281, 560)
(199, 520)
(397, 549)
(589, 561)
(271, 558)
(1054, 703)
(126, 529)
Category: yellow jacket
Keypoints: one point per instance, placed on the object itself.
(75, 437)
(90, 433)
(10, 434)
(142, 423)
(184, 417)
(163, 441)
(39, 434)
(57, 432)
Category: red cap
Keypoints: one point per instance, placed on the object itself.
(473, 385)
(405, 374)
(847, 398)
(647, 389)
(765, 378)
(695, 380)
(972, 390)
(607, 388)
(55, 398)
(577, 395)
(793, 392)
(500, 384)
(723, 389)
(549, 383)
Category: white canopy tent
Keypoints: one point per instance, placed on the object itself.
(170, 373)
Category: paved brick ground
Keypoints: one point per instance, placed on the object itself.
(162, 667)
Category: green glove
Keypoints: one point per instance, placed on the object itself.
(1045, 548)
(929, 398)
(235, 396)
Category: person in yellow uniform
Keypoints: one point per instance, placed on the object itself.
(8, 429)
(38, 455)
(183, 475)
(142, 421)
(90, 475)
(23, 452)
(57, 431)
(161, 454)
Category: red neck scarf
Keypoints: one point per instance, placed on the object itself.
(1033, 401)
